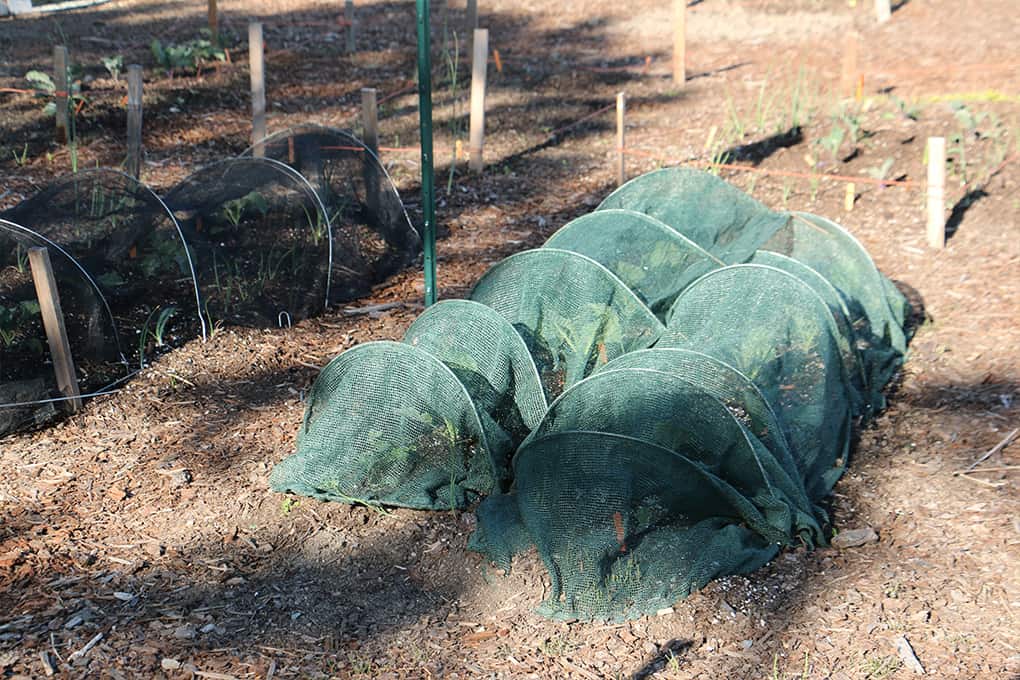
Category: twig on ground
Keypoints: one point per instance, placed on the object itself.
(992, 451)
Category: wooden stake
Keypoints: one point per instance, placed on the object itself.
(850, 197)
(883, 11)
(256, 64)
(479, 64)
(679, 42)
(349, 20)
(61, 85)
(133, 165)
(937, 192)
(470, 26)
(370, 136)
(53, 322)
(621, 139)
(214, 23)
(848, 81)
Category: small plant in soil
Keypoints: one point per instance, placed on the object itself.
(188, 56)
(114, 65)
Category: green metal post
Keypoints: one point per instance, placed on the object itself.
(428, 191)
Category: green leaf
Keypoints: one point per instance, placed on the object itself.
(41, 81)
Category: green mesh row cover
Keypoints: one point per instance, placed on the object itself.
(491, 361)
(653, 260)
(387, 423)
(717, 216)
(745, 401)
(666, 410)
(845, 336)
(877, 309)
(786, 345)
(572, 313)
(626, 527)
(649, 458)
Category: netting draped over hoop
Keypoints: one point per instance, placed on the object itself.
(712, 213)
(372, 233)
(124, 236)
(639, 459)
(572, 312)
(260, 239)
(27, 382)
(653, 260)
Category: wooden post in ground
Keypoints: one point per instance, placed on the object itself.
(479, 68)
(370, 136)
(349, 20)
(53, 322)
(256, 64)
(883, 11)
(679, 42)
(133, 165)
(848, 80)
(621, 139)
(470, 26)
(61, 85)
(937, 192)
(214, 23)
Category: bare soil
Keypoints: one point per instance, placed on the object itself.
(144, 523)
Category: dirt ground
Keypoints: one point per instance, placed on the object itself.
(139, 537)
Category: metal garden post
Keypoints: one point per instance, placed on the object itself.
(427, 171)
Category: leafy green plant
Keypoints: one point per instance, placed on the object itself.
(191, 55)
(44, 87)
(114, 65)
(235, 210)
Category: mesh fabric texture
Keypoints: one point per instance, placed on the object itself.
(653, 260)
(572, 313)
(717, 216)
(387, 423)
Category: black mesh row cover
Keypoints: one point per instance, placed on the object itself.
(573, 313)
(626, 527)
(387, 423)
(373, 236)
(714, 214)
(652, 259)
(123, 234)
(676, 414)
(27, 380)
(877, 309)
(260, 239)
(492, 362)
(748, 405)
(787, 347)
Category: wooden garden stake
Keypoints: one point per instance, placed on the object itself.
(937, 192)
(883, 11)
(471, 25)
(349, 20)
(679, 42)
(370, 136)
(61, 92)
(133, 165)
(258, 87)
(850, 197)
(479, 64)
(621, 139)
(53, 322)
(848, 81)
(214, 23)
